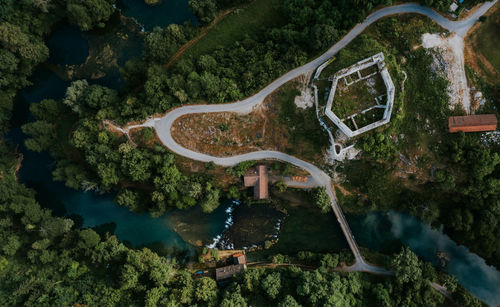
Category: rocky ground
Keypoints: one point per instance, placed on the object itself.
(450, 60)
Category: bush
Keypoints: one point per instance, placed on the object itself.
(215, 253)
(223, 127)
(280, 186)
(240, 169)
(321, 198)
(147, 133)
(279, 259)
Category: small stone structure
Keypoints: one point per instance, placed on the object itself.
(258, 178)
(352, 75)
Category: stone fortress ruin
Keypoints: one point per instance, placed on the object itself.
(360, 99)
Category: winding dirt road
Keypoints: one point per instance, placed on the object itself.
(164, 124)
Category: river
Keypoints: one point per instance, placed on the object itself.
(161, 15)
(178, 232)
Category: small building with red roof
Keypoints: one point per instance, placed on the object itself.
(258, 178)
(473, 123)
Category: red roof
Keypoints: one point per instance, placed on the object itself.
(257, 177)
(472, 123)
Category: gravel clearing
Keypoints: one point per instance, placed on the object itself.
(306, 98)
(450, 60)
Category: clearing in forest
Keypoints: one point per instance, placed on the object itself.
(277, 124)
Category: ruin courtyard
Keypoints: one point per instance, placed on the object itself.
(361, 96)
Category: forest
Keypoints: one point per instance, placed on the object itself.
(51, 261)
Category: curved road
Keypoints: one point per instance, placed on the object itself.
(164, 124)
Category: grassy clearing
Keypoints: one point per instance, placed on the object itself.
(488, 39)
(252, 20)
(306, 137)
(482, 58)
(354, 98)
(276, 125)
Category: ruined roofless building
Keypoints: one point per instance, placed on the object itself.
(257, 178)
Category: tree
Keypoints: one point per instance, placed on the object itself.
(451, 283)
(74, 175)
(271, 284)
(153, 296)
(240, 169)
(463, 298)
(206, 63)
(11, 246)
(205, 289)
(90, 13)
(47, 109)
(279, 259)
(329, 261)
(211, 200)
(42, 135)
(233, 192)
(137, 165)
(128, 198)
(161, 44)
(129, 277)
(289, 301)
(204, 10)
(382, 295)
(211, 85)
(55, 227)
(280, 186)
(108, 174)
(88, 239)
(30, 48)
(406, 265)
(73, 94)
(321, 198)
(233, 299)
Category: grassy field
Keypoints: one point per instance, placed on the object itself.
(488, 39)
(482, 55)
(252, 20)
(307, 139)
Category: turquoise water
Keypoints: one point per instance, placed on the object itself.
(67, 46)
(95, 209)
(161, 15)
(374, 229)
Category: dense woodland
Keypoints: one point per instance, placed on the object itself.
(49, 260)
